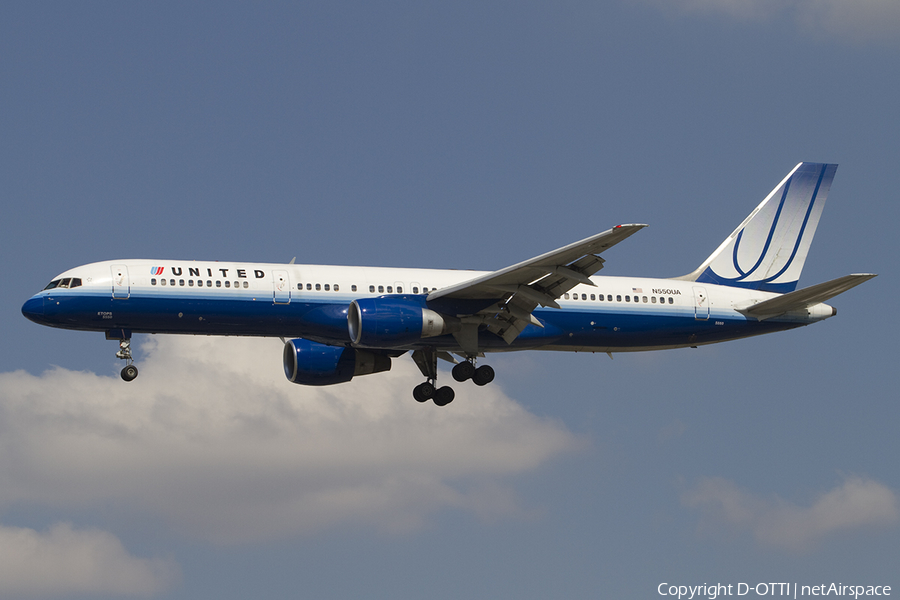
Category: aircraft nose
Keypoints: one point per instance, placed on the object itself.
(33, 309)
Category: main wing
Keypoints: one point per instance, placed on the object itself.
(514, 292)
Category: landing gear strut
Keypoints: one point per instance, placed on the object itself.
(129, 372)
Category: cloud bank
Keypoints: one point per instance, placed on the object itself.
(857, 503)
(213, 441)
(66, 561)
(858, 20)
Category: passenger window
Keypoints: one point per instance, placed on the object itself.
(653, 299)
(227, 284)
(246, 285)
(299, 286)
(618, 298)
(353, 288)
(671, 301)
(162, 282)
(644, 299)
(218, 283)
(372, 289)
(190, 283)
(209, 283)
(318, 287)
(309, 286)
(152, 282)
(390, 290)
(627, 298)
(336, 288)
(199, 283)
(609, 298)
(380, 289)
(399, 289)
(181, 282)
(415, 290)
(584, 296)
(592, 297)
(566, 296)
(327, 288)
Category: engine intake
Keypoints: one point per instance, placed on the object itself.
(312, 363)
(388, 322)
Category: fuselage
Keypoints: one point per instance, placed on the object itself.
(616, 314)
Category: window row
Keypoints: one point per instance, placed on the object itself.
(318, 287)
(381, 289)
(190, 283)
(609, 298)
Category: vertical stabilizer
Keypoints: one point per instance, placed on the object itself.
(767, 251)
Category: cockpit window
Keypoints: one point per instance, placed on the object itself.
(68, 282)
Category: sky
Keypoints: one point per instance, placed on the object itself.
(468, 135)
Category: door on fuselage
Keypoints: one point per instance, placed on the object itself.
(121, 284)
(701, 304)
(282, 282)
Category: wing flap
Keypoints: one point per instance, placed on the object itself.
(543, 267)
(540, 281)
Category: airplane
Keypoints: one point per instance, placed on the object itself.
(339, 322)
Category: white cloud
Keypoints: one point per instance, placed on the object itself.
(212, 439)
(859, 20)
(857, 503)
(66, 561)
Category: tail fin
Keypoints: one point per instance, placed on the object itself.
(767, 251)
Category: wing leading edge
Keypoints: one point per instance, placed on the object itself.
(517, 290)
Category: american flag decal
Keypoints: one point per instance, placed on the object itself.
(637, 290)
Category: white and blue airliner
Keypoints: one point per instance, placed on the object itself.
(338, 322)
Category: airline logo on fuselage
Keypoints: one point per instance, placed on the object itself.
(195, 272)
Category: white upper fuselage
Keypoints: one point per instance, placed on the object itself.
(293, 300)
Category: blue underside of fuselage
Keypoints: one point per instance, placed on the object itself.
(595, 326)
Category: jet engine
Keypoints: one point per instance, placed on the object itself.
(389, 322)
(311, 363)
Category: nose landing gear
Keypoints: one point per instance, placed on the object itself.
(129, 372)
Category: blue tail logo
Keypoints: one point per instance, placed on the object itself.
(767, 251)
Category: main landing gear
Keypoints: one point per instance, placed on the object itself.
(465, 370)
(426, 360)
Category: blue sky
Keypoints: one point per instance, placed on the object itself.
(457, 135)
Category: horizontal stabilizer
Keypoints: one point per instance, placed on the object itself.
(803, 299)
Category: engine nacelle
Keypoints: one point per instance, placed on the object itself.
(311, 363)
(389, 322)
